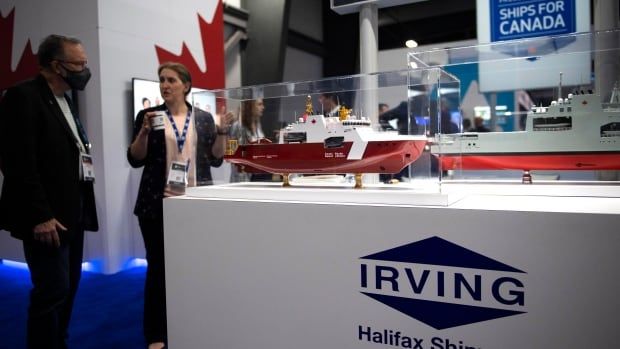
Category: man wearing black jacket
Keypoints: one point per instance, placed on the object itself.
(405, 124)
(47, 197)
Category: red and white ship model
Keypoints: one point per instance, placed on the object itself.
(318, 144)
(576, 133)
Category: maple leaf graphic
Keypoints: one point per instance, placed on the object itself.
(212, 35)
(27, 67)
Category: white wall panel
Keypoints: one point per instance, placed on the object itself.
(120, 38)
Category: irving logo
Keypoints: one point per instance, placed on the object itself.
(442, 284)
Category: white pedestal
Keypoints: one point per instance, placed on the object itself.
(289, 273)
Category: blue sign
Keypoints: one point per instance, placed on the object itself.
(515, 19)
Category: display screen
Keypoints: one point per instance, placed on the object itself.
(146, 94)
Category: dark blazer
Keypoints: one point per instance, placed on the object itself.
(406, 124)
(40, 164)
(153, 181)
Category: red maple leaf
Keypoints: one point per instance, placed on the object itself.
(27, 67)
(212, 35)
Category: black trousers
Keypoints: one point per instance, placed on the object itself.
(55, 273)
(155, 326)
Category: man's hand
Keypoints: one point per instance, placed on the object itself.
(47, 232)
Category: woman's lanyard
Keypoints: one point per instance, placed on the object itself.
(180, 138)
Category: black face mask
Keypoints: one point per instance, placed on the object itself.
(77, 80)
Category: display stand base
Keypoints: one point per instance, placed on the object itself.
(374, 194)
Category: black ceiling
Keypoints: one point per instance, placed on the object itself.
(427, 22)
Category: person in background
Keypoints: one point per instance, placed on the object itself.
(467, 125)
(406, 124)
(146, 103)
(330, 104)
(248, 130)
(479, 125)
(47, 198)
(447, 125)
(383, 107)
(174, 158)
(443, 125)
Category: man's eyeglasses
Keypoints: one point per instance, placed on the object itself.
(81, 64)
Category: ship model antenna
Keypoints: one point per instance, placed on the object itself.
(309, 110)
(615, 95)
(560, 87)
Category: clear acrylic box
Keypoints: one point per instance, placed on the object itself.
(550, 103)
(346, 147)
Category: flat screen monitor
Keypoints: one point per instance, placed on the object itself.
(146, 94)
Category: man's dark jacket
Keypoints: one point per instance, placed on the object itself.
(39, 159)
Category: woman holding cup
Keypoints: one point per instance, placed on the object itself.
(165, 141)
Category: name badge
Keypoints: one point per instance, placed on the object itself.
(88, 170)
(177, 176)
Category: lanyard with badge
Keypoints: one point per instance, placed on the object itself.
(177, 176)
(88, 170)
(86, 160)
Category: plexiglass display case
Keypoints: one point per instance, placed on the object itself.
(540, 109)
(543, 110)
(331, 132)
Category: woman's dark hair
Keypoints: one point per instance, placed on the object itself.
(247, 114)
(181, 70)
(53, 48)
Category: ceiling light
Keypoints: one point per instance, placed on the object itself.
(411, 43)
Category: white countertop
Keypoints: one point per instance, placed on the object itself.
(508, 196)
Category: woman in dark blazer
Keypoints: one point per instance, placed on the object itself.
(175, 157)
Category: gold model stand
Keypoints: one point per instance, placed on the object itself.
(285, 180)
(358, 181)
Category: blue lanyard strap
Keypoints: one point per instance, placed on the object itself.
(78, 125)
(82, 133)
(180, 138)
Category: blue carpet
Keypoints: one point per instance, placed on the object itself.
(107, 312)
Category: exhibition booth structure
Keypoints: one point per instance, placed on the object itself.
(301, 252)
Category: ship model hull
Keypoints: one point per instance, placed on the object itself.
(533, 161)
(576, 133)
(386, 156)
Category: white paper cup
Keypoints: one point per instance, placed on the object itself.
(157, 121)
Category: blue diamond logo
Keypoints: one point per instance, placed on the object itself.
(439, 252)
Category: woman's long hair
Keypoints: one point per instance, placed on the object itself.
(248, 120)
